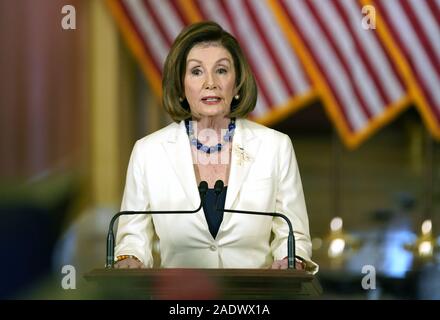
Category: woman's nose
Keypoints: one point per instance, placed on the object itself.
(210, 83)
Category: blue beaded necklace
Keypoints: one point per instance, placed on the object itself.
(200, 146)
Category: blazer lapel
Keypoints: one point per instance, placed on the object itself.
(179, 154)
(244, 150)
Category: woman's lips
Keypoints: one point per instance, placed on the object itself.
(211, 100)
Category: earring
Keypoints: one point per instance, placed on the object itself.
(237, 96)
(181, 99)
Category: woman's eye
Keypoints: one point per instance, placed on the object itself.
(196, 72)
(222, 70)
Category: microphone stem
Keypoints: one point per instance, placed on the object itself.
(291, 251)
(110, 249)
(111, 238)
(290, 238)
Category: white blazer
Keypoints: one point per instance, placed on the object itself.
(264, 176)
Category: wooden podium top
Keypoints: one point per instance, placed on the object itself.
(195, 284)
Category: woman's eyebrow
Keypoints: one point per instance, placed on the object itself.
(194, 60)
(200, 62)
(221, 59)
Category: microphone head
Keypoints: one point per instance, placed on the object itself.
(218, 187)
(203, 188)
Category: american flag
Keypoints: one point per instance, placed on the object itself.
(355, 76)
(299, 50)
(152, 25)
(411, 28)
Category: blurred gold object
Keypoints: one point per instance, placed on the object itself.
(425, 246)
(338, 244)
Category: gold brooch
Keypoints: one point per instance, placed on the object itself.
(241, 155)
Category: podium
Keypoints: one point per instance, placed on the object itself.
(199, 284)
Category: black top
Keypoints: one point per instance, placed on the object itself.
(214, 217)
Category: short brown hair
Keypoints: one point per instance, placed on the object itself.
(175, 66)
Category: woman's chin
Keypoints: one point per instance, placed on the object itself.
(215, 110)
(213, 113)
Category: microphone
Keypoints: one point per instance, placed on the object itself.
(203, 189)
(218, 189)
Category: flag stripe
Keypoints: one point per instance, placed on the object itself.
(430, 23)
(148, 30)
(328, 20)
(178, 9)
(256, 25)
(331, 106)
(288, 58)
(407, 40)
(332, 62)
(419, 25)
(358, 50)
(372, 49)
(434, 7)
(212, 10)
(275, 88)
(135, 27)
(301, 19)
(169, 18)
(156, 20)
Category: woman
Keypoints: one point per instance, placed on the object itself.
(209, 89)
